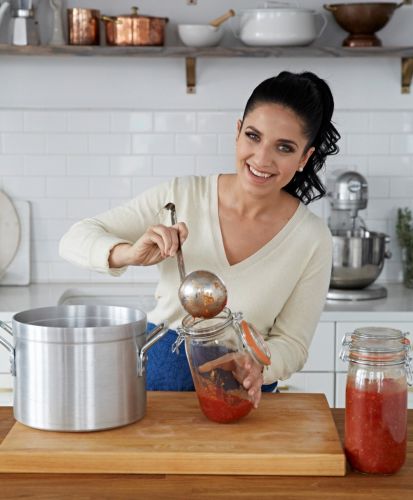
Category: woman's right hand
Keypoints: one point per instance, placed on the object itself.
(156, 244)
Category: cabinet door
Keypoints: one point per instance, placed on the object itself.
(310, 382)
(341, 392)
(321, 352)
(4, 353)
(342, 328)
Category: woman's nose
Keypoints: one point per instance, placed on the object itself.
(264, 156)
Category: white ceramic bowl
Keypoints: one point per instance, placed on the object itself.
(200, 35)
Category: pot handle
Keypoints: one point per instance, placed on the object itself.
(156, 334)
(5, 343)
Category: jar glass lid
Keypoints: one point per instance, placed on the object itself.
(378, 332)
(255, 343)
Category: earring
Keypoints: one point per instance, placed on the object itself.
(301, 169)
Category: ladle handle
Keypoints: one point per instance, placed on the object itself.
(179, 256)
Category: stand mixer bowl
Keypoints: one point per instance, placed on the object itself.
(358, 260)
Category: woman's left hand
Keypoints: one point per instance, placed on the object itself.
(245, 370)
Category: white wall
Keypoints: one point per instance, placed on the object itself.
(78, 135)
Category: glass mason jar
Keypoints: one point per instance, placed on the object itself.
(216, 348)
(376, 402)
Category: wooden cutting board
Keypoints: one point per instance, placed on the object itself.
(289, 434)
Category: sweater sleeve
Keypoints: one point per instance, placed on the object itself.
(88, 243)
(293, 330)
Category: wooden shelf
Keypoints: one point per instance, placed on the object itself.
(405, 54)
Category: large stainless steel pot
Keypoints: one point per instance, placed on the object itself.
(358, 260)
(79, 368)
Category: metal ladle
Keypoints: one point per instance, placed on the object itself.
(202, 293)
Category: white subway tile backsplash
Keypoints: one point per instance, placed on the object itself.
(391, 166)
(401, 144)
(88, 121)
(390, 121)
(67, 187)
(49, 208)
(107, 187)
(364, 144)
(78, 209)
(378, 187)
(206, 165)
(351, 121)
(72, 164)
(45, 121)
(401, 187)
(196, 144)
(88, 166)
(11, 165)
(153, 143)
(11, 121)
(226, 143)
(67, 143)
(218, 121)
(173, 122)
(130, 165)
(109, 144)
(25, 188)
(44, 165)
(169, 165)
(131, 121)
(20, 143)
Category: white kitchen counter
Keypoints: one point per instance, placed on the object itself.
(398, 306)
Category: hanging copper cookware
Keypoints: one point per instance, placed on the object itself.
(134, 29)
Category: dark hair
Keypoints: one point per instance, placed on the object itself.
(311, 100)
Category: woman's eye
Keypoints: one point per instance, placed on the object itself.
(252, 136)
(285, 148)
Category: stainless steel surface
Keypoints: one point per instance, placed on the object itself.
(80, 368)
(358, 261)
(348, 191)
(372, 292)
(202, 293)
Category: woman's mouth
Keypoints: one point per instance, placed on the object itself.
(258, 173)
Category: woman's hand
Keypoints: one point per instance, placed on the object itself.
(156, 244)
(245, 370)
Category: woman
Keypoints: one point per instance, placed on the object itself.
(252, 228)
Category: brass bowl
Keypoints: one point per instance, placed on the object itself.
(362, 21)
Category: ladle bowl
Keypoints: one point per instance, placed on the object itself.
(203, 294)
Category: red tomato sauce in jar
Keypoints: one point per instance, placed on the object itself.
(376, 426)
(221, 406)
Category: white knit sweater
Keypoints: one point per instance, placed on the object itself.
(281, 289)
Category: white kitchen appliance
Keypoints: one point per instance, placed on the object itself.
(358, 254)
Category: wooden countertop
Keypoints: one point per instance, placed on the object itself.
(107, 486)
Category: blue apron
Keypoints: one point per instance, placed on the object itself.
(169, 371)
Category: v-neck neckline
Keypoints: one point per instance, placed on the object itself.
(219, 241)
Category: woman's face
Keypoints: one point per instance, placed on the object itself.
(270, 148)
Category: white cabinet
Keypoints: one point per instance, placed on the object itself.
(317, 374)
(310, 382)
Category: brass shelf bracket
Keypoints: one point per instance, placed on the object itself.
(407, 74)
(190, 64)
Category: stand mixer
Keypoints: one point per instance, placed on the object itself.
(358, 254)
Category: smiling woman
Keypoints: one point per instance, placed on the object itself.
(251, 228)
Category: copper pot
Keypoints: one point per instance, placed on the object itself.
(134, 29)
(83, 26)
(362, 20)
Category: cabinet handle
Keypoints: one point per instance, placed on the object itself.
(283, 387)
(6, 389)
